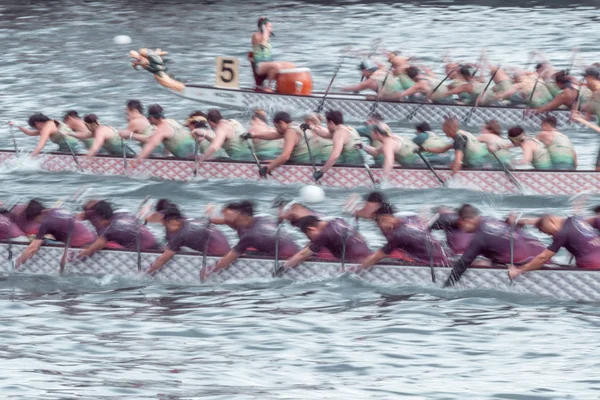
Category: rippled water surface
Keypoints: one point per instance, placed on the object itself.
(110, 338)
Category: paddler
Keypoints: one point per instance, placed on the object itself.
(469, 91)
(336, 235)
(491, 135)
(294, 144)
(395, 149)
(9, 230)
(406, 236)
(373, 201)
(591, 110)
(379, 80)
(574, 234)
(58, 223)
(268, 149)
(430, 143)
(528, 89)
(559, 146)
(138, 127)
(169, 132)
(17, 215)
(49, 129)
(366, 131)
(425, 87)
(255, 233)
(194, 234)
(468, 151)
(122, 229)
(345, 139)
(535, 152)
(261, 52)
(568, 96)
(457, 239)
(197, 123)
(80, 130)
(227, 135)
(105, 137)
(491, 239)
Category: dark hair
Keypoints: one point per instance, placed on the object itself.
(335, 116)
(260, 115)
(197, 113)
(596, 209)
(540, 66)
(103, 210)
(467, 211)
(515, 131)
(550, 120)
(384, 209)
(163, 204)
(305, 223)
(243, 207)
(375, 197)
(214, 116)
(412, 72)
(423, 127)
(91, 119)
(33, 210)
(37, 117)
(262, 21)
(465, 71)
(172, 213)
(156, 111)
(562, 77)
(494, 126)
(70, 114)
(282, 116)
(135, 105)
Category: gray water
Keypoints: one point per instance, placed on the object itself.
(108, 338)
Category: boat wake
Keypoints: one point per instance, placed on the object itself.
(21, 162)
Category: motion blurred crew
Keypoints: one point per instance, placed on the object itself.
(138, 127)
(377, 79)
(105, 137)
(227, 135)
(559, 146)
(534, 151)
(170, 133)
(49, 129)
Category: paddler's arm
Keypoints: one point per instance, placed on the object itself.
(97, 145)
(150, 145)
(94, 247)
(321, 131)
(388, 157)
(373, 151)
(161, 261)
(28, 132)
(508, 93)
(441, 149)
(265, 135)
(44, 136)
(338, 146)
(298, 258)
(418, 87)
(561, 99)
(81, 134)
(226, 260)
(372, 260)
(464, 262)
(527, 154)
(537, 263)
(364, 85)
(29, 252)
(467, 87)
(457, 163)
(289, 142)
(215, 144)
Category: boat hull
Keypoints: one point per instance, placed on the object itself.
(357, 107)
(534, 182)
(184, 269)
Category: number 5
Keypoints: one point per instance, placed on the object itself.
(227, 72)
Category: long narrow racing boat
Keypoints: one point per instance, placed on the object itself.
(491, 181)
(563, 283)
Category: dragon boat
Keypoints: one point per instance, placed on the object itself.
(340, 176)
(185, 269)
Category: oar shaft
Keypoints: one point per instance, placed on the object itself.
(196, 151)
(310, 154)
(256, 160)
(72, 153)
(14, 140)
(412, 114)
(322, 103)
(509, 174)
(124, 154)
(426, 161)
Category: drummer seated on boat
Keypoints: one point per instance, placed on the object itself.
(407, 235)
(294, 144)
(573, 233)
(379, 80)
(105, 137)
(395, 149)
(561, 149)
(255, 233)
(261, 52)
(227, 135)
(194, 234)
(342, 240)
(49, 129)
(169, 132)
(344, 138)
(119, 228)
(58, 223)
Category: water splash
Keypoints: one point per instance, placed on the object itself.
(21, 162)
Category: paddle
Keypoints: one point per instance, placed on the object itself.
(205, 247)
(472, 110)
(426, 161)
(138, 235)
(72, 153)
(378, 98)
(509, 174)
(412, 114)
(76, 198)
(304, 127)
(322, 103)
(430, 255)
(368, 168)
(276, 270)
(124, 154)
(587, 123)
(512, 243)
(261, 171)
(530, 98)
(196, 151)
(14, 140)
